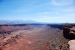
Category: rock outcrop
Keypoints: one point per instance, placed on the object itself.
(69, 31)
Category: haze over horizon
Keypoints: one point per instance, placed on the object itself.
(43, 11)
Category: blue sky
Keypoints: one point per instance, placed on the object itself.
(45, 11)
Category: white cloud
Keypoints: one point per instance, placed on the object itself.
(48, 19)
(62, 2)
(63, 8)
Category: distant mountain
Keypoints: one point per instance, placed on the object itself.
(26, 22)
(18, 22)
